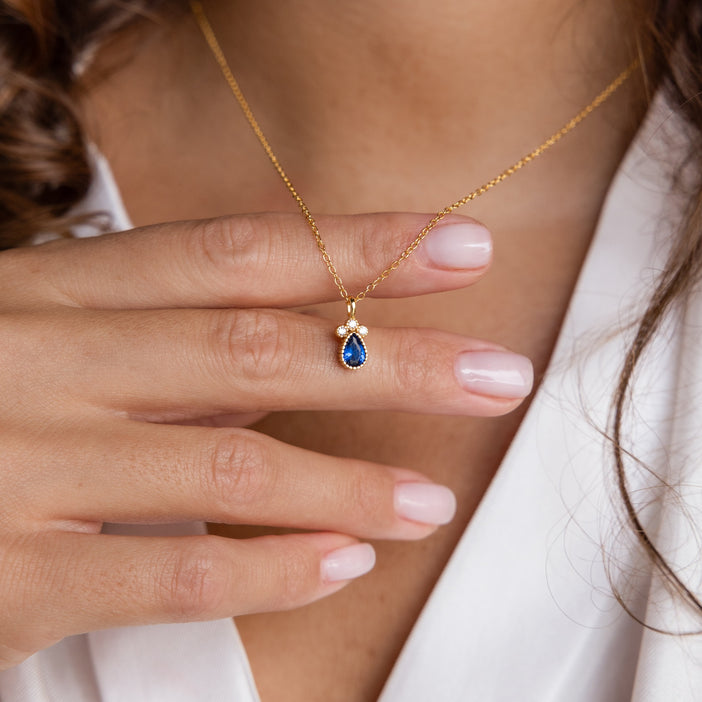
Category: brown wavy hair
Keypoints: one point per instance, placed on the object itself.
(44, 169)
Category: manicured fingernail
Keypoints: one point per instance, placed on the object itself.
(347, 563)
(463, 245)
(495, 373)
(427, 503)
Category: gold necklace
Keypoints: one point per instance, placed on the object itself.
(353, 353)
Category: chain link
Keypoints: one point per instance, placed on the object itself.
(218, 54)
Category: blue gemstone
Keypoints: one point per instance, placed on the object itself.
(354, 352)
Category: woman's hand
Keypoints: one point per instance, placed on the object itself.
(113, 348)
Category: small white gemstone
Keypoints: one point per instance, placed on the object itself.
(341, 331)
(352, 324)
(362, 330)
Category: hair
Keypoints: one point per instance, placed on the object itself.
(44, 168)
(669, 35)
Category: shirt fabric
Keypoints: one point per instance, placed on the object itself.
(524, 609)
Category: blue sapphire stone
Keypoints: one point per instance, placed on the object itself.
(354, 352)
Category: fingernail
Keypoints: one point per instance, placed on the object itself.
(457, 246)
(347, 563)
(495, 373)
(425, 502)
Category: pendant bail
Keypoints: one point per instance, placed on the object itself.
(351, 307)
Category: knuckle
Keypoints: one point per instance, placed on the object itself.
(413, 364)
(193, 583)
(370, 498)
(239, 470)
(235, 247)
(295, 582)
(225, 242)
(251, 343)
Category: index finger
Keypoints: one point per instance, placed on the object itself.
(264, 260)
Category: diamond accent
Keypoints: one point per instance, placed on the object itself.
(352, 352)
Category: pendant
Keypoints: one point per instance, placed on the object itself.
(352, 352)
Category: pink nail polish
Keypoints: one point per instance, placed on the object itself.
(427, 503)
(495, 373)
(457, 245)
(347, 563)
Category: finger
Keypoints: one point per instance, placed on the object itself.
(171, 365)
(247, 260)
(74, 583)
(133, 472)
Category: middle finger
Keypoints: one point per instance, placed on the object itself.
(179, 364)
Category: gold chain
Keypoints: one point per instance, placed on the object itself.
(216, 49)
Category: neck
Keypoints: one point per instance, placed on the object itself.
(440, 86)
(386, 105)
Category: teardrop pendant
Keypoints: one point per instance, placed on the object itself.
(352, 353)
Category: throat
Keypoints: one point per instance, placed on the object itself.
(363, 118)
(357, 88)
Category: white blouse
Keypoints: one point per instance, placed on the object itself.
(524, 610)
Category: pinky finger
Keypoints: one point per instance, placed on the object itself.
(82, 582)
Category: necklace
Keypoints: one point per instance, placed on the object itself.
(353, 353)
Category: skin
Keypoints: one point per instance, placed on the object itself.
(199, 312)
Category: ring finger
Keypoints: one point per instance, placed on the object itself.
(136, 472)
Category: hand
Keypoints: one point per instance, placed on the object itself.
(110, 346)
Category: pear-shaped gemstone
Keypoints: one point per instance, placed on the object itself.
(354, 352)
